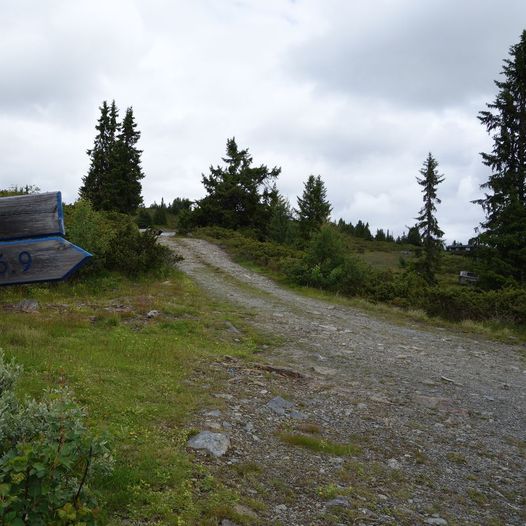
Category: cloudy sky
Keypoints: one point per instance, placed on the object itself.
(358, 91)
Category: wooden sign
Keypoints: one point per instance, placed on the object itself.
(44, 259)
(31, 215)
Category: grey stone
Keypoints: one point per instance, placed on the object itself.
(393, 463)
(437, 521)
(228, 522)
(338, 501)
(249, 427)
(214, 413)
(152, 314)
(279, 405)
(216, 444)
(28, 306)
(215, 426)
(280, 508)
(232, 328)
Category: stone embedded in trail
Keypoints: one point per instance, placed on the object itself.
(214, 413)
(216, 444)
(152, 314)
(338, 501)
(393, 463)
(232, 328)
(279, 405)
(27, 306)
(228, 522)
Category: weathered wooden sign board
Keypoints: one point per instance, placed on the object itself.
(30, 249)
(31, 216)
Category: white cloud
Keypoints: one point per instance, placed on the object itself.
(356, 92)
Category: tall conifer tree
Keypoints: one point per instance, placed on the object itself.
(427, 222)
(113, 179)
(314, 208)
(124, 179)
(239, 194)
(503, 237)
(94, 182)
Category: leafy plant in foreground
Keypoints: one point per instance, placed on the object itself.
(47, 458)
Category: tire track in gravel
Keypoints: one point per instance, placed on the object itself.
(401, 387)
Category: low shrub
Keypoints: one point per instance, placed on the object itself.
(328, 264)
(457, 304)
(47, 458)
(114, 240)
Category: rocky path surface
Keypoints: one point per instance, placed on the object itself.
(355, 420)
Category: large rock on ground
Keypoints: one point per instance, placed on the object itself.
(216, 444)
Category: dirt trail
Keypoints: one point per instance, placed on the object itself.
(440, 418)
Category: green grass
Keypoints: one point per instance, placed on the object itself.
(320, 445)
(139, 378)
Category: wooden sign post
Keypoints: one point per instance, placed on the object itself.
(30, 249)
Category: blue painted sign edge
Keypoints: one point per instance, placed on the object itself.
(87, 257)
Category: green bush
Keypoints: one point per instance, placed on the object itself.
(144, 219)
(327, 264)
(114, 240)
(455, 304)
(47, 458)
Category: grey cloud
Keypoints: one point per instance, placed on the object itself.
(436, 53)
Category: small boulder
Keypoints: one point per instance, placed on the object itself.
(152, 314)
(393, 463)
(437, 521)
(28, 306)
(338, 501)
(216, 444)
(279, 405)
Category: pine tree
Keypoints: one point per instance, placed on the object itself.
(427, 222)
(239, 194)
(280, 218)
(503, 237)
(123, 189)
(94, 182)
(313, 207)
(113, 179)
(380, 235)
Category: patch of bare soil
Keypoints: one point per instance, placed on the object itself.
(355, 420)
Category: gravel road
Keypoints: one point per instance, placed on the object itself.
(438, 418)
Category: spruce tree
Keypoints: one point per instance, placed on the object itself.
(503, 238)
(94, 182)
(113, 179)
(238, 194)
(427, 223)
(313, 207)
(123, 189)
(280, 218)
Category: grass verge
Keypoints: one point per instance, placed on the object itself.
(140, 377)
(320, 445)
